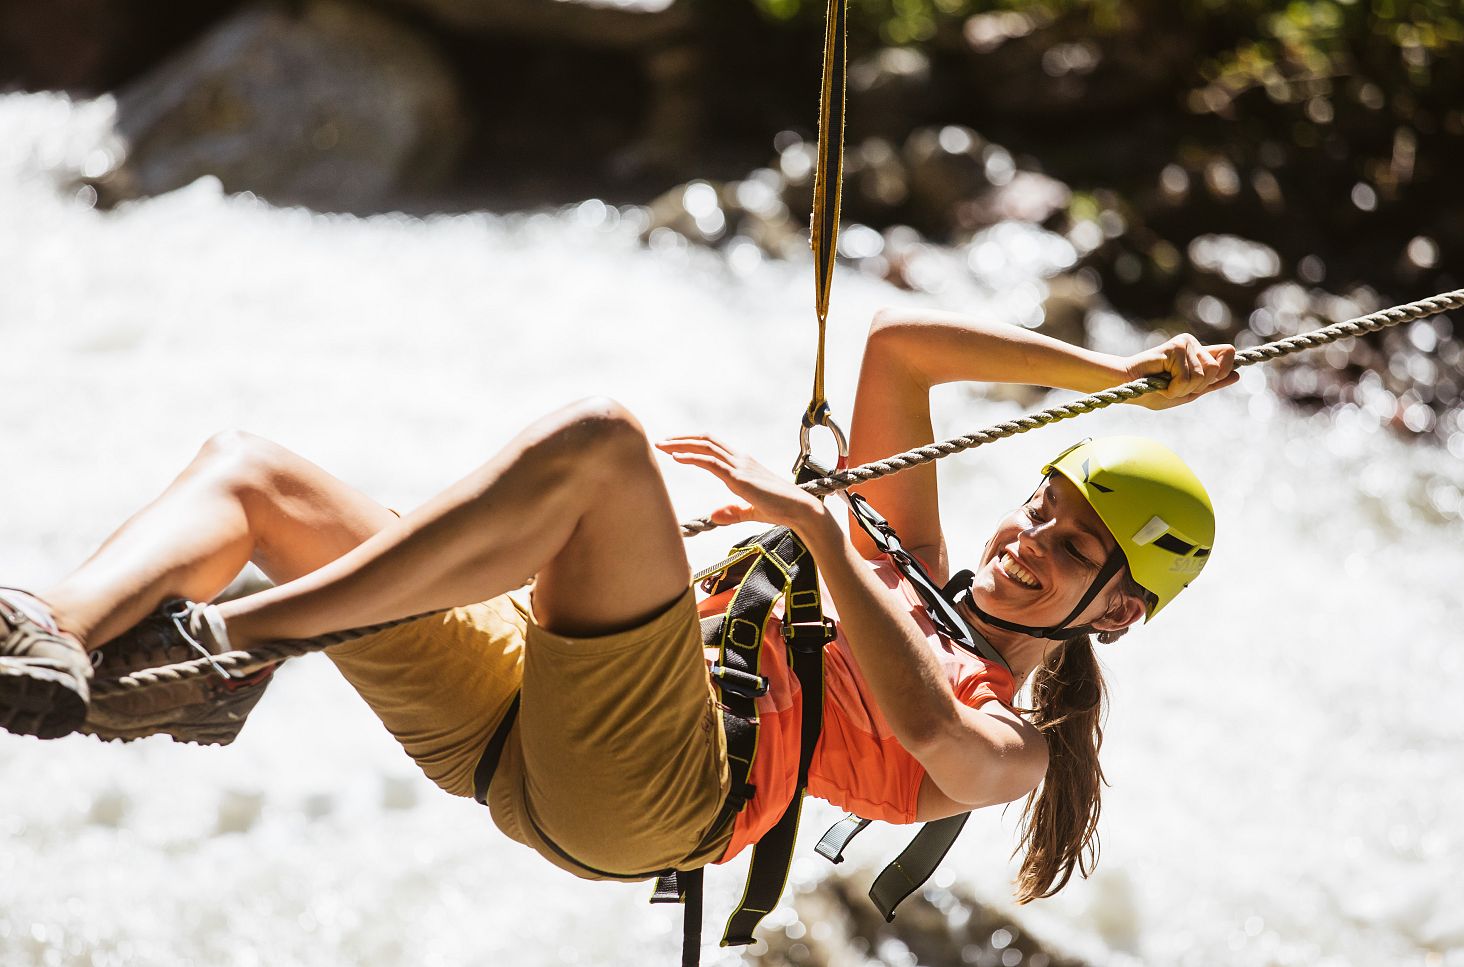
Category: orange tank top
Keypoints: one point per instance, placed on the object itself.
(858, 765)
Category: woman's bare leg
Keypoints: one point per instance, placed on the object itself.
(576, 499)
(242, 498)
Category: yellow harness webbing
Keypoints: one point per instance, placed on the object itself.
(828, 183)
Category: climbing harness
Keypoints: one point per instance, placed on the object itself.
(760, 572)
(771, 567)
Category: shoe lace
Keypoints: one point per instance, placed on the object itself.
(168, 642)
(181, 615)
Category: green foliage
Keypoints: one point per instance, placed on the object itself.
(1247, 43)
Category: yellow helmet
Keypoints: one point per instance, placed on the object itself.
(1153, 505)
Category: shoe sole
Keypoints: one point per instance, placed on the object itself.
(190, 734)
(39, 701)
(217, 720)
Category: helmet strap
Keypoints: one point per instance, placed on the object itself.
(1060, 631)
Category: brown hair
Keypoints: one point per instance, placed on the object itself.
(1060, 819)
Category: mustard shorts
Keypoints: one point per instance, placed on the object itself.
(616, 765)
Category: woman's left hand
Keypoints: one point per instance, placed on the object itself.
(1193, 370)
(765, 496)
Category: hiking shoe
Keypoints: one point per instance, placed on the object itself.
(208, 709)
(43, 674)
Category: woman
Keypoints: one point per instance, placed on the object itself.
(616, 762)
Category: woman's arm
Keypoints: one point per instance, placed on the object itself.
(910, 351)
(974, 757)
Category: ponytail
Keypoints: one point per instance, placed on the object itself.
(1060, 819)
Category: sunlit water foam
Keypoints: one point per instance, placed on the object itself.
(1283, 747)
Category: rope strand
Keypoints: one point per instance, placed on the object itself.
(1301, 342)
(243, 662)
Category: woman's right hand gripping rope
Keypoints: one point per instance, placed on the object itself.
(1193, 370)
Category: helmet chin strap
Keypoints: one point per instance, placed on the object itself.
(1059, 631)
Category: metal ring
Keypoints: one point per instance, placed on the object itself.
(805, 444)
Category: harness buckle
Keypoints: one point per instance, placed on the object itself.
(810, 635)
(739, 682)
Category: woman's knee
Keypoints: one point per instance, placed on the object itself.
(599, 431)
(241, 462)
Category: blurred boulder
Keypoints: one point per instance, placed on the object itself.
(640, 24)
(706, 213)
(833, 924)
(335, 107)
(91, 45)
(1070, 297)
(1025, 196)
(1027, 65)
(876, 184)
(890, 90)
(656, 39)
(946, 166)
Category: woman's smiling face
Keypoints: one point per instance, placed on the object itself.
(1043, 557)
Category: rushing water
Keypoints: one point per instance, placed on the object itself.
(1284, 746)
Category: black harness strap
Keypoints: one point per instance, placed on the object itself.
(942, 611)
(488, 762)
(831, 845)
(772, 566)
(684, 886)
(806, 631)
(917, 862)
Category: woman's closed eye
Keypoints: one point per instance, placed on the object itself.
(1077, 555)
(1036, 516)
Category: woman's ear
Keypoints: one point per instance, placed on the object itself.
(1127, 610)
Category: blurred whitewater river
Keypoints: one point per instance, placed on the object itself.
(1284, 747)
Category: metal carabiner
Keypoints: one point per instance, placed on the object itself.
(820, 415)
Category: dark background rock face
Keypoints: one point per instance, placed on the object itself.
(333, 106)
(86, 46)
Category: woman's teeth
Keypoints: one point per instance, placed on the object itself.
(1018, 573)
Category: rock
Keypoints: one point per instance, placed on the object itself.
(335, 107)
(713, 214)
(1065, 310)
(93, 45)
(945, 167)
(654, 39)
(876, 184)
(1027, 196)
(937, 927)
(1026, 67)
(693, 210)
(889, 91)
(641, 24)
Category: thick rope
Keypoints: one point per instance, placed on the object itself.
(1301, 342)
(240, 663)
